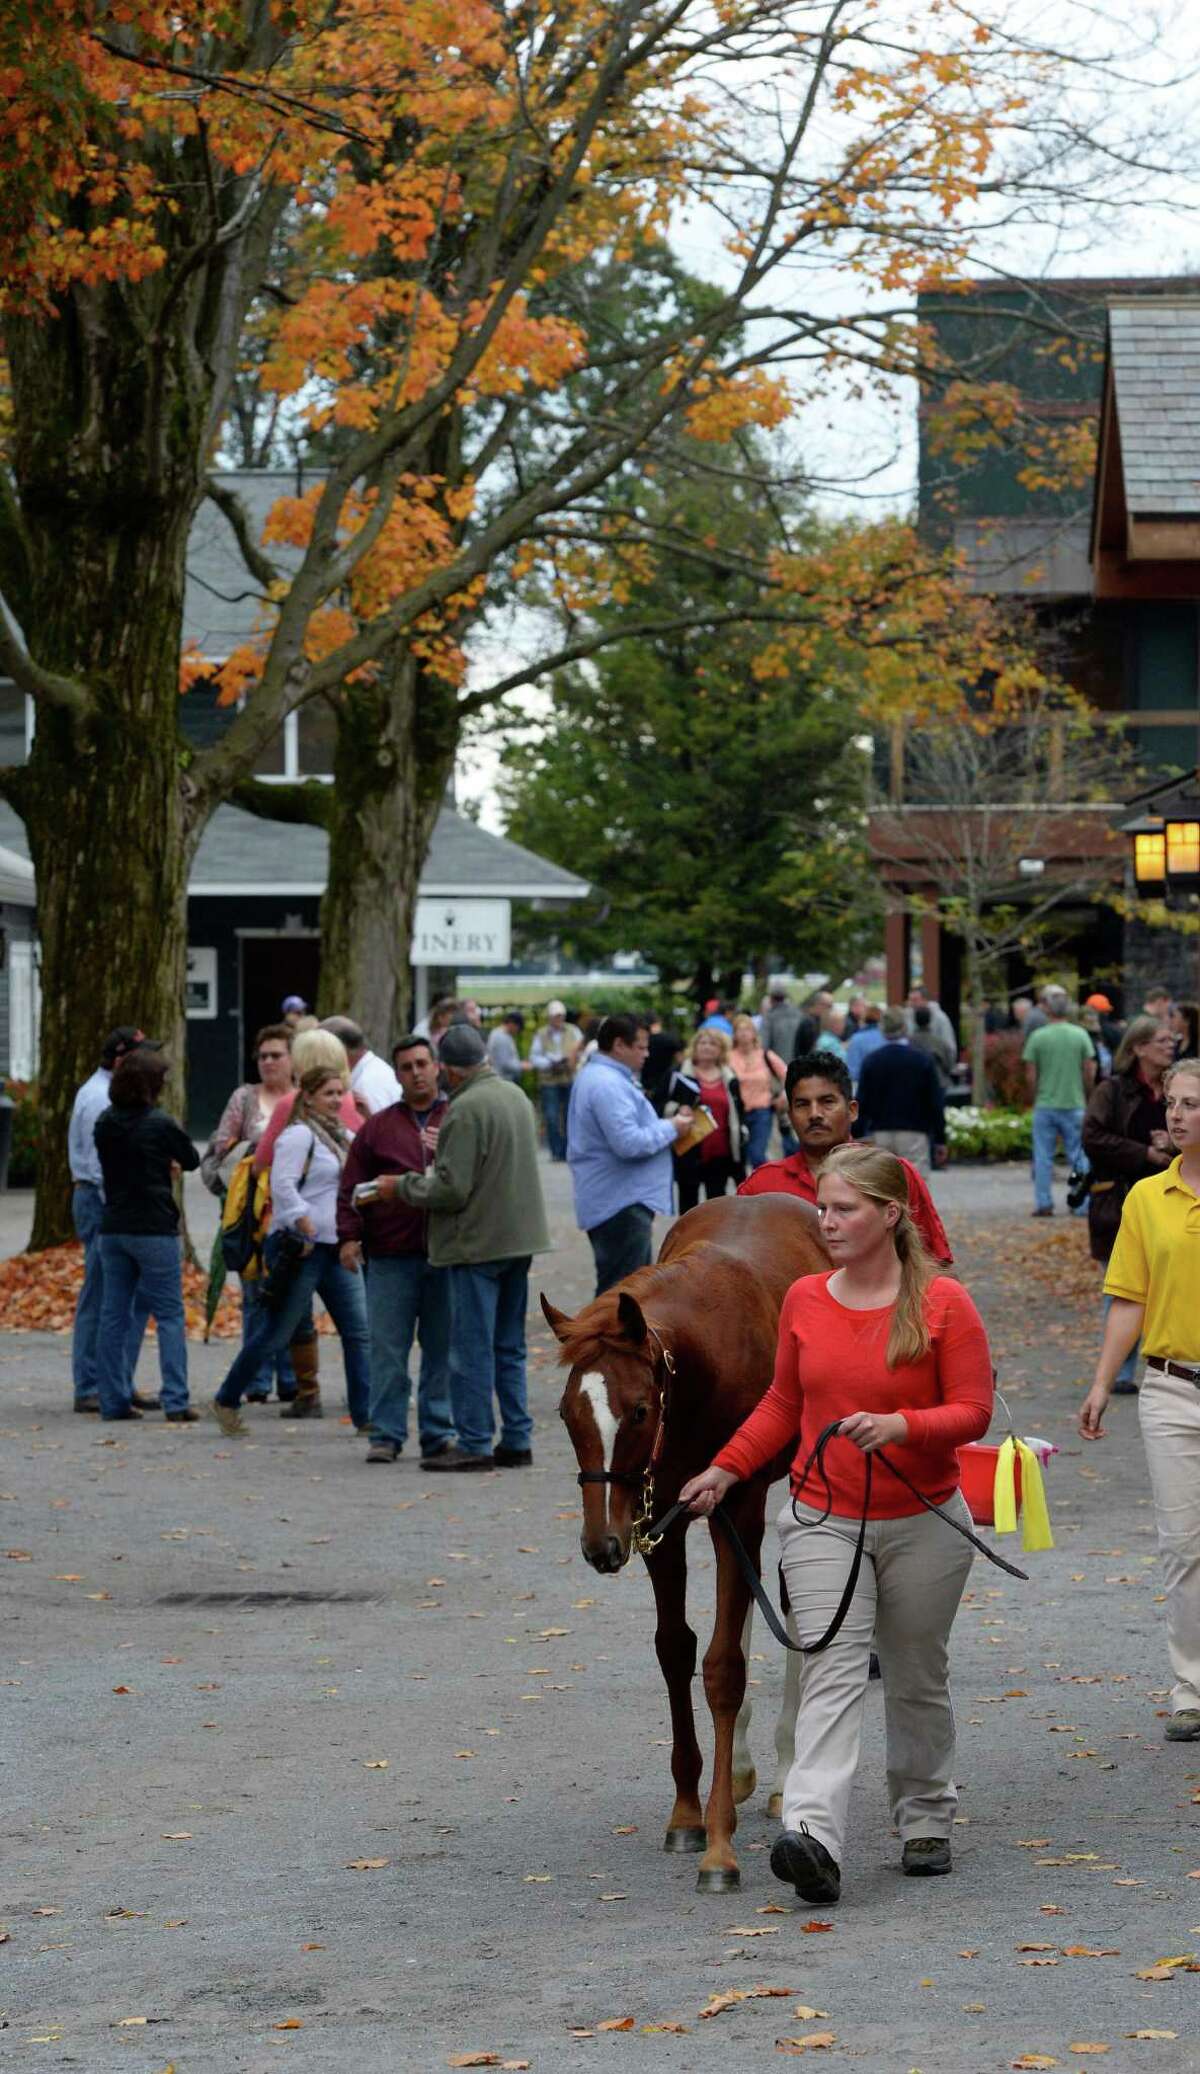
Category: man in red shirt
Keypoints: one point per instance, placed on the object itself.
(822, 1110)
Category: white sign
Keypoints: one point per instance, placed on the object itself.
(200, 987)
(462, 932)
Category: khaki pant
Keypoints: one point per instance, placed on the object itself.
(907, 1595)
(1169, 1413)
(910, 1145)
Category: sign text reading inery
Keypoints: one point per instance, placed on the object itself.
(462, 932)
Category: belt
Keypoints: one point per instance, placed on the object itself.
(1187, 1371)
(77, 1183)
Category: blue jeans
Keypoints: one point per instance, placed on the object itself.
(487, 1353)
(758, 1136)
(321, 1274)
(1049, 1125)
(555, 1102)
(277, 1368)
(148, 1266)
(787, 1138)
(1127, 1372)
(87, 1209)
(405, 1296)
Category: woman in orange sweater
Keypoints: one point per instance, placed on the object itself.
(897, 1353)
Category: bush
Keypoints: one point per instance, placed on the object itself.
(989, 1133)
(1004, 1070)
(23, 1160)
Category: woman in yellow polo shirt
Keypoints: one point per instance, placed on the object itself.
(1152, 1279)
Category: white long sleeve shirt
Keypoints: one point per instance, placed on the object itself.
(91, 1102)
(295, 1194)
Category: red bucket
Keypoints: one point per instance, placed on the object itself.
(977, 1467)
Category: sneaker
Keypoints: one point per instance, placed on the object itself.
(382, 1451)
(89, 1404)
(141, 1403)
(513, 1458)
(228, 1418)
(1184, 1727)
(189, 1416)
(127, 1412)
(454, 1458)
(801, 1862)
(257, 1396)
(924, 1856)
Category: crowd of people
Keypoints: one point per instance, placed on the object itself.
(408, 1197)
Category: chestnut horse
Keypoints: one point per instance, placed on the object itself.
(664, 1368)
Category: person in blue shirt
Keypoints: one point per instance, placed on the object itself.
(87, 1210)
(867, 1038)
(619, 1152)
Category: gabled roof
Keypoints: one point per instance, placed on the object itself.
(222, 603)
(239, 854)
(1154, 349)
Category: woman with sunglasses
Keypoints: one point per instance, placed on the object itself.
(244, 1118)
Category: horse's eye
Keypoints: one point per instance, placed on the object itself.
(639, 1413)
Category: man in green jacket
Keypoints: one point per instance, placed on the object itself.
(486, 1219)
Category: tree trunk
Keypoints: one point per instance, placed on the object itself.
(97, 573)
(395, 751)
(979, 1087)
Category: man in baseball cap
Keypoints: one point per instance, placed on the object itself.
(87, 1210)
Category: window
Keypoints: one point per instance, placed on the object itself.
(16, 724)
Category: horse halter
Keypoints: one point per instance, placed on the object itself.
(641, 1539)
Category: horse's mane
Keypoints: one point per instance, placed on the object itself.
(598, 1326)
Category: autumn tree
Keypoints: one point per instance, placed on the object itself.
(445, 167)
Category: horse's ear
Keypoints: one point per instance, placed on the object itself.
(558, 1321)
(629, 1312)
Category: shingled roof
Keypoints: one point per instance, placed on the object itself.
(239, 854)
(1154, 344)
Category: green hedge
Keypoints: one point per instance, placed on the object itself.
(989, 1133)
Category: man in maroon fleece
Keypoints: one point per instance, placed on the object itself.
(405, 1296)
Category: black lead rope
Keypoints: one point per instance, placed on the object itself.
(816, 1460)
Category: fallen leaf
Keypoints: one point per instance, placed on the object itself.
(122, 1688)
(376, 1764)
(288, 2023)
(1037, 1962)
(618, 2023)
(1162, 1969)
(537, 1879)
(473, 2059)
(5, 1936)
(749, 1930)
(717, 2003)
(376, 1865)
(1037, 1947)
(18, 1555)
(130, 2023)
(811, 1928)
(464, 1753)
(45, 1911)
(1035, 2059)
(626, 1829)
(1089, 2048)
(805, 2015)
(177, 1836)
(1090, 1951)
(515, 2066)
(1032, 1843)
(312, 1947)
(814, 2041)
(614, 1897)
(1152, 2034)
(680, 2029)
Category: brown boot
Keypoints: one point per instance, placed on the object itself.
(306, 1368)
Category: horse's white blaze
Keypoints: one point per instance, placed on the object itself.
(595, 1389)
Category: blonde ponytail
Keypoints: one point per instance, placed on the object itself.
(880, 1176)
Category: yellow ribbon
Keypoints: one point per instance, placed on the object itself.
(1035, 1515)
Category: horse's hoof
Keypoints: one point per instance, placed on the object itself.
(680, 1840)
(775, 1807)
(718, 1879)
(744, 1784)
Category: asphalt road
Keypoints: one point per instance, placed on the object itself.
(236, 1676)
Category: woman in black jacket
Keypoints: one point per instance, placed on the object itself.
(141, 1154)
(1125, 1139)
